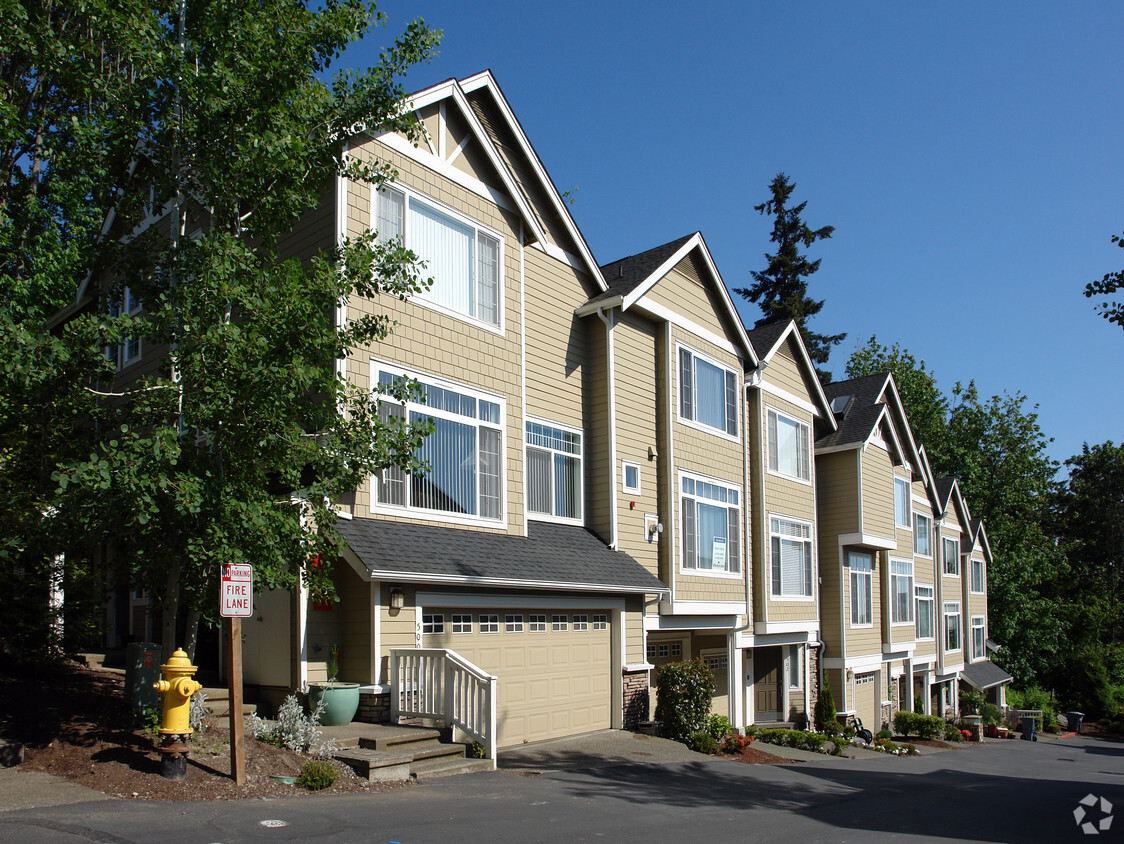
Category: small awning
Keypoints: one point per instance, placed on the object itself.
(985, 675)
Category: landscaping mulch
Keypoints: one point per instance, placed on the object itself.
(753, 756)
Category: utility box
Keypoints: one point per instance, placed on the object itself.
(142, 670)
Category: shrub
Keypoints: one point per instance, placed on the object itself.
(719, 726)
(735, 743)
(884, 734)
(990, 713)
(951, 732)
(703, 742)
(921, 725)
(317, 774)
(293, 729)
(477, 751)
(833, 728)
(1036, 698)
(684, 690)
(839, 744)
(825, 706)
(971, 701)
(799, 739)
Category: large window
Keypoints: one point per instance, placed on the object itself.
(463, 455)
(951, 556)
(901, 503)
(789, 448)
(952, 626)
(979, 637)
(711, 525)
(708, 393)
(922, 535)
(862, 566)
(977, 576)
(901, 591)
(463, 260)
(791, 557)
(554, 471)
(924, 611)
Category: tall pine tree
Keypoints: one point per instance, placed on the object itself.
(781, 289)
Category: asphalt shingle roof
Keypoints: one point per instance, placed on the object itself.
(943, 487)
(856, 425)
(984, 675)
(627, 274)
(567, 555)
(764, 337)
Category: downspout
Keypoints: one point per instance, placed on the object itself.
(610, 321)
(732, 636)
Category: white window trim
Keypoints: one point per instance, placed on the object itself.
(625, 465)
(932, 599)
(699, 426)
(928, 533)
(971, 633)
(944, 561)
(420, 298)
(983, 577)
(776, 473)
(850, 586)
(959, 632)
(726, 575)
(912, 593)
(898, 479)
(799, 673)
(442, 515)
(490, 615)
(769, 559)
(550, 517)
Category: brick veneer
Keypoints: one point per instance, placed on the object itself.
(636, 698)
(814, 684)
(374, 708)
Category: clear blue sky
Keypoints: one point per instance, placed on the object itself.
(969, 155)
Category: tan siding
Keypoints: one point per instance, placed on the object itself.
(863, 641)
(878, 492)
(837, 486)
(315, 232)
(598, 506)
(786, 372)
(633, 618)
(356, 625)
(682, 292)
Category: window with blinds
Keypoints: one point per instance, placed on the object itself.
(791, 558)
(789, 446)
(463, 455)
(462, 259)
(862, 567)
(708, 393)
(554, 471)
(924, 628)
(901, 591)
(711, 525)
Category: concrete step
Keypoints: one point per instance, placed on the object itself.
(402, 739)
(376, 765)
(448, 766)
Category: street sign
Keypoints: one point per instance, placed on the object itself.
(236, 592)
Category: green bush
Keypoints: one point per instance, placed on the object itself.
(839, 744)
(825, 706)
(703, 742)
(971, 701)
(1036, 698)
(884, 734)
(719, 726)
(684, 690)
(317, 774)
(833, 728)
(799, 739)
(990, 714)
(951, 732)
(920, 725)
(735, 743)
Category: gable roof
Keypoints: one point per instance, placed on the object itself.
(638, 274)
(551, 556)
(483, 84)
(873, 399)
(768, 339)
(948, 491)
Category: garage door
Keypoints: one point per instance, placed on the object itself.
(554, 668)
(866, 701)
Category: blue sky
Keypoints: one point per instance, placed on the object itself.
(969, 155)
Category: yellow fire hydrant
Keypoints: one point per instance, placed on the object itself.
(177, 688)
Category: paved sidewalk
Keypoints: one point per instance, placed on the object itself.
(20, 789)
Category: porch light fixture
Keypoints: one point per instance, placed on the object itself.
(397, 599)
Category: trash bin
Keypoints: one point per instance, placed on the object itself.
(142, 669)
(1074, 719)
(1029, 726)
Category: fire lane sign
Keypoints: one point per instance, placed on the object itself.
(236, 592)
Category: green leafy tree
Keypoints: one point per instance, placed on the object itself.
(781, 289)
(170, 149)
(1112, 284)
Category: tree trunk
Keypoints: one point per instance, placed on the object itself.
(191, 634)
(171, 611)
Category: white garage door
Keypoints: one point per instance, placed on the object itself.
(866, 702)
(554, 668)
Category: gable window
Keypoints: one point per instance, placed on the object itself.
(462, 258)
(463, 454)
(901, 503)
(708, 393)
(711, 526)
(862, 566)
(789, 450)
(951, 556)
(922, 535)
(924, 627)
(979, 637)
(554, 471)
(790, 551)
(977, 575)
(952, 626)
(901, 591)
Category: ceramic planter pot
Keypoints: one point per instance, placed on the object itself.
(341, 701)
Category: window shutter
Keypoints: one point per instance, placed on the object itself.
(686, 387)
(689, 540)
(773, 460)
(731, 404)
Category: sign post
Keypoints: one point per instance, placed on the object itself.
(236, 601)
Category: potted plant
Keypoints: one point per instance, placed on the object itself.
(340, 701)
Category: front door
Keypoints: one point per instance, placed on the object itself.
(767, 684)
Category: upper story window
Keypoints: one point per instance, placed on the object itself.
(951, 548)
(464, 453)
(979, 637)
(952, 626)
(130, 350)
(977, 575)
(862, 568)
(922, 535)
(554, 471)
(901, 503)
(790, 551)
(711, 525)
(708, 393)
(630, 475)
(901, 591)
(789, 446)
(924, 627)
(463, 259)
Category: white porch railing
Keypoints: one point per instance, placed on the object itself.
(440, 684)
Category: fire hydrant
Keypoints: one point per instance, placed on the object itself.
(177, 688)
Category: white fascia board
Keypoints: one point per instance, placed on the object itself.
(769, 628)
(897, 650)
(451, 579)
(778, 637)
(696, 622)
(870, 540)
(834, 449)
(484, 79)
(707, 607)
(811, 367)
(909, 440)
(475, 600)
(655, 309)
(780, 393)
(600, 304)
